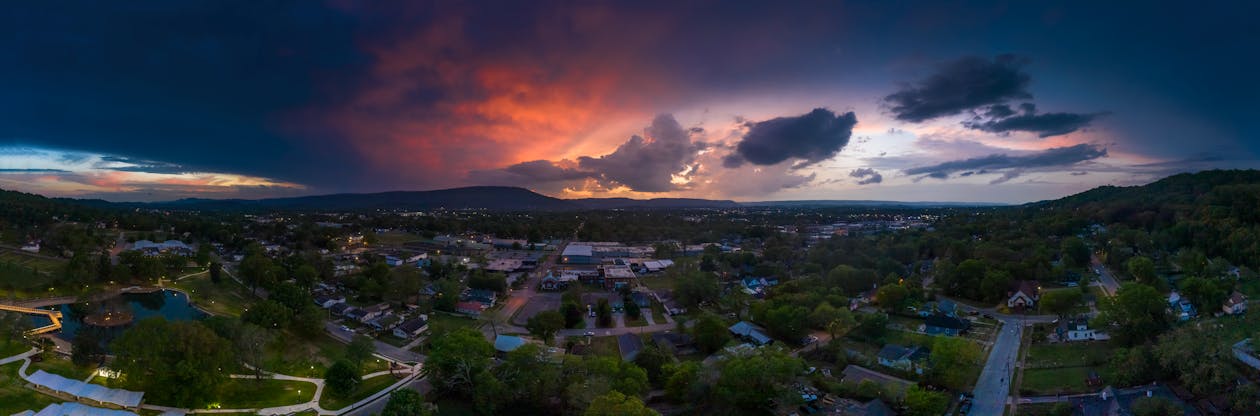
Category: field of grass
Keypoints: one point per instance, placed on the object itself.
(1050, 381)
(239, 393)
(1067, 355)
(658, 312)
(365, 389)
(225, 298)
(39, 263)
(15, 397)
(11, 348)
(1079, 309)
(62, 367)
(602, 346)
(635, 322)
(396, 238)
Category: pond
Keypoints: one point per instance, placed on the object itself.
(169, 304)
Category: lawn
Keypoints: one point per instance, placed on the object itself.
(602, 346)
(658, 312)
(297, 356)
(225, 298)
(441, 323)
(1067, 355)
(395, 238)
(365, 389)
(15, 397)
(634, 322)
(1050, 381)
(240, 393)
(62, 367)
(1079, 309)
(10, 348)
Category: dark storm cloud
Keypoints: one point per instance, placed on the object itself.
(129, 164)
(647, 164)
(1055, 157)
(866, 176)
(1044, 124)
(545, 171)
(810, 138)
(12, 170)
(961, 85)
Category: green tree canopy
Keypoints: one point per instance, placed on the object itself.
(178, 363)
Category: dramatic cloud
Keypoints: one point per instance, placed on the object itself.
(656, 161)
(961, 85)
(1001, 119)
(648, 163)
(1055, 157)
(811, 138)
(867, 176)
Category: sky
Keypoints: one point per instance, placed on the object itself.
(911, 101)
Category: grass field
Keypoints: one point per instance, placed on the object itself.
(15, 397)
(396, 238)
(225, 298)
(1067, 355)
(658, 312)
(602, 346)
(365, 389)
(62, 367)
(11, 348)
(296, 356)
(1050, 381)
(239, 393)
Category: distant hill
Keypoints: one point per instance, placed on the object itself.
(867, 203)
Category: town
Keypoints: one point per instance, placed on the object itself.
(853, 311)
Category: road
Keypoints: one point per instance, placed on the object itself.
(995, 380)
(376, 406)
(1108, 280)
(383, 349)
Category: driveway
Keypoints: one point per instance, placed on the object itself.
(995, 380)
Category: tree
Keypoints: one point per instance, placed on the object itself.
(216, 272)
(447, 296)
(711, 334)
(787, 321)
(1135, 315)
(342, 378)
(872, 326)
(545, 324)
(1205, 294)
(13, 327)
(652, 360)
(180, 363)
(891, 297)
(251, 346)
(306, 276)
(694, 288)
(921, 402)
(1142, 269)
(1199, 357)
(951, 357)
(681, 381)
(632, 309)
(1060, 302)
(603, 313)
(1074, 252)
(495, 282)
(616, 404)
(754, 381)
(1133, 366)
(360, 349)
(268, 314)
(407, 402)
(457, 358)
(572, 314)
(86, 347)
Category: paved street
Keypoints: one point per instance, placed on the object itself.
(995, 380)
(1109, 282)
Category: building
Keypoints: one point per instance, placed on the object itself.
(150, 248)
(340, 309)
(372, 312)
(578, 254)
(630, 345)
(504, 344)
(1072, 330)
(748, 332)
(1024, 294)
(1181, 307)
(385, 322)
(903, 358)
(653, 266)
(1111, 401)
(1236, 304)
(392, 261)
(469, 308)
(553, 281)
(939, 324)
(485, 297)
(327, 301)
(32, 247)
(412, 328)
(616, 276)
(674, 343)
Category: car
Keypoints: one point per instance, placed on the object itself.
(809, 340)
(590, 333)
(345, 328)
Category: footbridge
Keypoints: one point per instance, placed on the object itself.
(54, 316)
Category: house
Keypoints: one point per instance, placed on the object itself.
(903, 358)
(1236, 304)
(1023, 294)
(374, 311)
(507, 343)
(553, 281)
(751, 333)
(1181, 307)
(470, 308)
(412, 327)
(327, 301)
(392, 261)
(1071, 330)
(940, 324)
(671, 304)
(385, 322)
(340, 309)
(653, 266)
(357, 314)
(674, 343)
(485, 297)
(1111, 401)
(629, 344)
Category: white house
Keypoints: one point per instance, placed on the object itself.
(1024, 295)
(1078, 330)
(1236, 304)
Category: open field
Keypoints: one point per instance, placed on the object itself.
(62, 367)
(224, 298)
(1050, 381)
(1067, 355)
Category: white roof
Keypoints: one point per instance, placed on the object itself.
(577, 250)
(123, 398)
